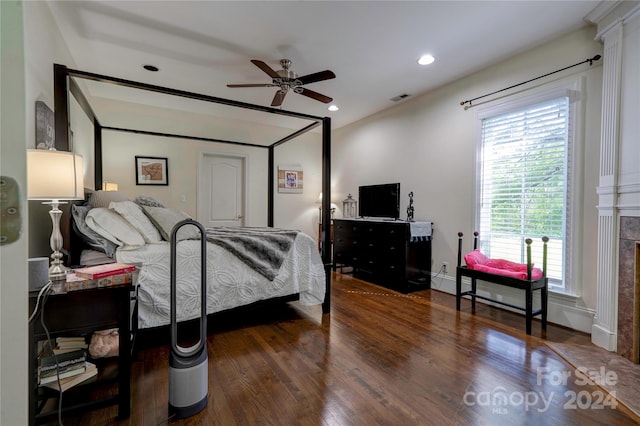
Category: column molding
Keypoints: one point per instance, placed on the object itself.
(605, 326)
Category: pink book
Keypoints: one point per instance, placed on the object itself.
(100, 271)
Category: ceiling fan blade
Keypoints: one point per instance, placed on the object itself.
(315, 95)
(250, 85)
(266, 68)
(318, 76)
(278, 98)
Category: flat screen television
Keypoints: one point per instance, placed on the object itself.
(379, 201)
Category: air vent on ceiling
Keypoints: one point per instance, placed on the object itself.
(400, 97)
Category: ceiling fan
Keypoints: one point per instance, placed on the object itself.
(285, 80)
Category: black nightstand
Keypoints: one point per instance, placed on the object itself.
(79, 313)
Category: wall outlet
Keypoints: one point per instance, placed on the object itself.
(445, 266)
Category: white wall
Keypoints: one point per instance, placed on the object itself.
(13, 255)
(428, 144)
(44, 46)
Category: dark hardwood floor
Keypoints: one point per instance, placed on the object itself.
(379, 358)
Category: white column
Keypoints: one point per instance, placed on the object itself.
(604, 329)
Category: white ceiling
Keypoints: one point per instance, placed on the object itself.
(372, 46)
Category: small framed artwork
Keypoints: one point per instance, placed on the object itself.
(45, 127)
(152, 171)
(290, 179)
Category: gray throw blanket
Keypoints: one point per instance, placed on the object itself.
(263, 249)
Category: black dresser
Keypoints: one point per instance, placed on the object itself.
(383, 253)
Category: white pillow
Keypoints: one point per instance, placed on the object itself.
(114, 228)
(166, 218)
(133, 214)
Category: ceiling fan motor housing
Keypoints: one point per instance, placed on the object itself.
(286, 80)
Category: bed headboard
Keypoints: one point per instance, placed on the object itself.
(73, 244)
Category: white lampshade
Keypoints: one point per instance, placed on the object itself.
(54, 175)
(109, 186)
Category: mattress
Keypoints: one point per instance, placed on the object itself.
(230, 282)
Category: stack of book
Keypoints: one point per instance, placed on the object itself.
(69, 344)
(90, 372)
(61, 366)
(107, 275)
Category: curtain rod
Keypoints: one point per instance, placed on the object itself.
(589, 60)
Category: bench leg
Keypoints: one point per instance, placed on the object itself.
(458, 290)
(543, 304)
(474, 288)
(529, 308)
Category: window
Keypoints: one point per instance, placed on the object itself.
(524, 181)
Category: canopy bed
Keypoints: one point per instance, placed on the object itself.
(297, 270)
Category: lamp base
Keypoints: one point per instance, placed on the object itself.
(57, 271)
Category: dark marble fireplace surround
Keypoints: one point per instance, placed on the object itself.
(629, 289)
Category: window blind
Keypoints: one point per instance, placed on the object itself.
(523, 183)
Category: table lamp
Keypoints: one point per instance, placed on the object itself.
(54, 176)
(109, 186)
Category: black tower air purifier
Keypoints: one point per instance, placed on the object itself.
(188, 367)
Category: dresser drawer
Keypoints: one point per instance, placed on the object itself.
(380, 252)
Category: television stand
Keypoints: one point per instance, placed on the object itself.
(382, 252)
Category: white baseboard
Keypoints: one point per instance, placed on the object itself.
(562, 309)
(604, 338)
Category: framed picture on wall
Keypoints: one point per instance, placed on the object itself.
(152, 171)
(290, 179)
(45, 127)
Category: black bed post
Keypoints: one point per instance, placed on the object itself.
(97, 154)
(270, 183)
(326, 210)
(61, 106)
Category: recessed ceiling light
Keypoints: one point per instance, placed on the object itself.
(426, 59)
(333, 108)
(151, 68)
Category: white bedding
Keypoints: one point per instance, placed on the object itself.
(230, 283)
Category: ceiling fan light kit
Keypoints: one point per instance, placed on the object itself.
(286, 79)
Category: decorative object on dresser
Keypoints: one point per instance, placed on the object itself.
(54, 176)
(384, 252)
(410, 209)
(349, 207)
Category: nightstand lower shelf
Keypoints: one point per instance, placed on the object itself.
(79, 313)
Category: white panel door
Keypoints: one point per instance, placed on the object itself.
(221, 195)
